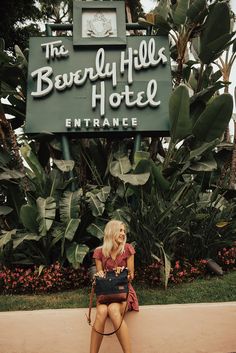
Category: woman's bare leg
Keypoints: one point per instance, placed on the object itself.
(99, 324)
(115, 311)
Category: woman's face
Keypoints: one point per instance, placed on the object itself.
(120, 237)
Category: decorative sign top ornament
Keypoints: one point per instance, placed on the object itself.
(99, 23)
(99, 26)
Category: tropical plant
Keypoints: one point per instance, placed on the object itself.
(11, 166)
(11, 195)
(50, 216)
(197, 44)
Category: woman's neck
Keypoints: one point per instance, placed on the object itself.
(115, 249)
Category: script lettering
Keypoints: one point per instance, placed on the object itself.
(55, 50)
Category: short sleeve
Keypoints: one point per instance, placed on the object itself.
(129, 249)
(97, 254)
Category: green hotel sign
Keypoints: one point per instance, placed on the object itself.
(94, 90)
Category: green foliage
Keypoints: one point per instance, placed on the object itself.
(38, 176)
(28, 215)
(76, 253)
(195, 10)
(9, 174)
(179, 106)
(214, 38)
(70, 205)
(161, 16)
(46, 213)
(135, 179)
(180, 11)
(50, 217)
(13, 74)
(97, 198)
(215, 118)
(120, 166)
(11, 195)
(71, 228)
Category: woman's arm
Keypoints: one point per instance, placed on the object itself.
(130, 265)
(99, 268)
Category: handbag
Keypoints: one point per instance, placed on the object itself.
(112, 288)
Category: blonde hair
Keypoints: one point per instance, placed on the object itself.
(111, 230)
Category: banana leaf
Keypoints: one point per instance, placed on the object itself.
(161, 13)
(121, 166)
(134, 179)
(6, 237)
(97, 199)
(203, 148)
(28, 216)
(21, 57)
(199, 100)
(180, 12)
(234, 46)
(71, 228)
(55, 183)
(64, 165)
(32, 161)
(98, 155)
(57, 233)
(9, 174)
(96, 229)
(219, 14)
(216, 48)
(181, 124)
(15, 199)
(5, 210)
(165, 264)
(69, 205)
(20, 238)
(46, 213)
(206, 166)
(206, 93)
(103, 193)
(213, 121)
(195, 9)
(159, 179)
(75, 254)
(121, 214)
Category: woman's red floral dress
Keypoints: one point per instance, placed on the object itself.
(121, 260)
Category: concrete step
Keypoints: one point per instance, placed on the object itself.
(179, 328)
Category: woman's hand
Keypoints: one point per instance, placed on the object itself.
(99, 274)
(130, 276)
(119, 269)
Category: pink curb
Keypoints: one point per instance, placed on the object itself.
(178, 328)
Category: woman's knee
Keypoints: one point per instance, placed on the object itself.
(114, 310)
(102, 312)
